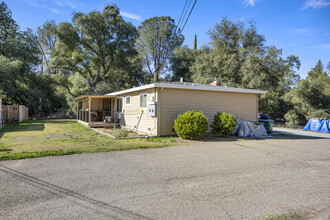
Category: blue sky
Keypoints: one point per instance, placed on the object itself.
(299, 27)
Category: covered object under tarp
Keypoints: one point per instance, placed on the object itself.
(318, 125)
(249, 129)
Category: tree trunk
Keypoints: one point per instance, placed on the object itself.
(155, 77)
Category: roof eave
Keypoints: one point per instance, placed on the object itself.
(203, 88)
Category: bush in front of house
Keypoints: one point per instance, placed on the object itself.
(223, 124)
(191, 125)
(120, 132)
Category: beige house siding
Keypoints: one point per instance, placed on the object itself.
(177, 101)
(132, 112)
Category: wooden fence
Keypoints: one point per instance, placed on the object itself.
(14, 113)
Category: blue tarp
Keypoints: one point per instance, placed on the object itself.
(318, 125)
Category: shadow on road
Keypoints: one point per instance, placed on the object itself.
(275, 135)
(110, 211)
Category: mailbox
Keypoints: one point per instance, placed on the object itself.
(153, 109)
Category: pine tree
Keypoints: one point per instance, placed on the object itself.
(195, 42)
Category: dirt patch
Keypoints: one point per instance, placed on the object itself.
(112, 131)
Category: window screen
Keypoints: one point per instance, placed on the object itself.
(128, 100)
(143, 101)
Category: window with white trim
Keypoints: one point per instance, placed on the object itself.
(128, 100)
(143, 100)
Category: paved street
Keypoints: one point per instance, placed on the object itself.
(211, 180)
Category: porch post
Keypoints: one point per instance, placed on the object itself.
(89, 109)
(77, 103)
(114, 107)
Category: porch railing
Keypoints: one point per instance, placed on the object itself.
(95, 116)
(83, 116)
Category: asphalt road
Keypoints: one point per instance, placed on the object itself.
(212, 180)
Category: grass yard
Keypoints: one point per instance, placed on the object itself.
(40, 138)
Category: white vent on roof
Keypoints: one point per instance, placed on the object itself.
(215, 83)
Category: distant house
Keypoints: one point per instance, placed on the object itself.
(152, 108)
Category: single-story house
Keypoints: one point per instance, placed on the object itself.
(152, 109)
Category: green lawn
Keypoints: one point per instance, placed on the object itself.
(40, 138)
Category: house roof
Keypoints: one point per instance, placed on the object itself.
(190, 86)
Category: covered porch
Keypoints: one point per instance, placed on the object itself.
(98, 111)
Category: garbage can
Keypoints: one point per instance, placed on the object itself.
(268, 124)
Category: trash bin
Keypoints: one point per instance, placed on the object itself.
(268, 124)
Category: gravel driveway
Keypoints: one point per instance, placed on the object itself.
(211, 180)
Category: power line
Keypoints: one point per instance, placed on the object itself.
(185, 13)
(184, 8)
(188, 16)
(184, 16)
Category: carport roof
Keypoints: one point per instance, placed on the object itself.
(94, 96)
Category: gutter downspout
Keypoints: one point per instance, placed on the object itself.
(257, 97)
(159, 128)
(156, 95)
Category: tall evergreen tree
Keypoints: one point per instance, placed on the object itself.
(195, 43)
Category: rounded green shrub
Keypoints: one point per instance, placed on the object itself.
(120, 133)
(191, 125)
(223, 124)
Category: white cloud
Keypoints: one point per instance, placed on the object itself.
(67, 3)
(249, 2)
(32, 2)
(54, 10)
(70, 4)
(130, 15)
(58, 3)
(326, 46)
(305, 31)
(315, 4)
